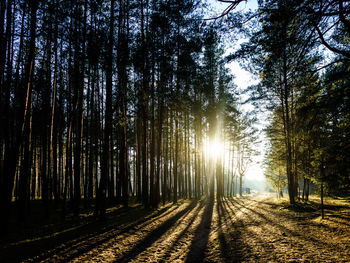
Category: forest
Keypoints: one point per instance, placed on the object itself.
(124, 136)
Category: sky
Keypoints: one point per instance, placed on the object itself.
(243, 79)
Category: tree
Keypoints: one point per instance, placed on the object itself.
(280, 54)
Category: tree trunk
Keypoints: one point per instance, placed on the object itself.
(166, 161)
(79, 66)
(144, 99)
(159, 146)
(286, 112)
(26, 123)
(322, 206)
(138, 158)
(240, 185)
(122, 61)
(176, 156)
(152, 142)
(189, 184)
(52, 143)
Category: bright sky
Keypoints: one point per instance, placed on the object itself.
(243, 79)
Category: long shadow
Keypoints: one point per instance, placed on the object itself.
(283, 228)
(261, 215)
(332, 218)
(112, 233)
(235, 233)
(303, 219)
(246, 249)
(183, 232)
(69, 240)
(227, 253)
(249, 212)
(226, 212)
(46, 229)
(41, 244)
(155, 234)
(201, 237)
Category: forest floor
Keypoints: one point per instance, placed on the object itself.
(248, 229)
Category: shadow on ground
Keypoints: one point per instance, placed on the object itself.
(225, 230)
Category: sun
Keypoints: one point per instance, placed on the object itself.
(215, 149)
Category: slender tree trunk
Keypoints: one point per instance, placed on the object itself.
(322, 173)
(189, 178)
(322, 205)
(79, 66)
(286, 111)
(144, 99)
(35, 172)
(152, 142)
(93, 136)
(159, 146)
(185, 159)
(122, 61)
(105, 167)
(166, 161)
(171, 155)
(240, 185)
(8, 154)
(307, 190)
(53, 149)
(6, 47)
(26, 123)
(2, 44)
(197, 169)
(304, 188)
(176, 157)
(138, 157)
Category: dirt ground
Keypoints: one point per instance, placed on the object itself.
(249, 229)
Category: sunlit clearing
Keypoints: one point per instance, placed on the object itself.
(215, 149)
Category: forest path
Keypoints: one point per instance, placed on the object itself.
(251, 229)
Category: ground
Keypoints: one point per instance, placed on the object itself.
(248, 229)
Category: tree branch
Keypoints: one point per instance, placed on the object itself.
(335, 50)
(233, 5)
